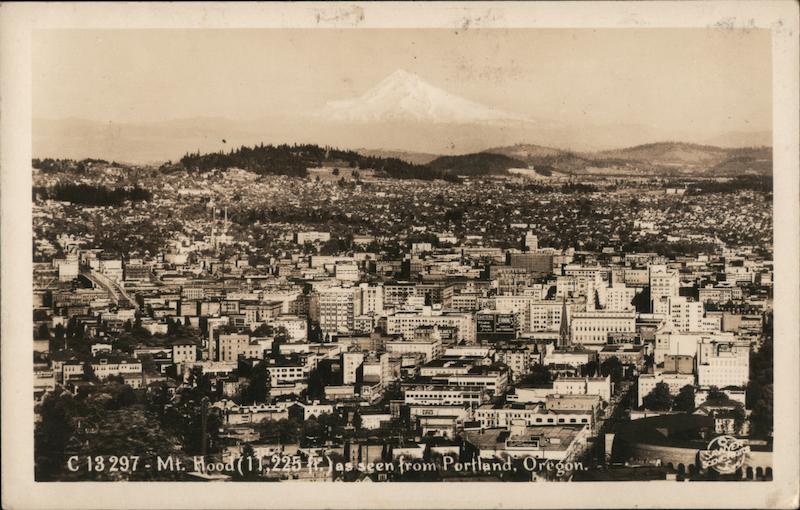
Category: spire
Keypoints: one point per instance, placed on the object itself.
(563, 330)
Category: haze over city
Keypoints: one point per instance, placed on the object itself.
(146, 95)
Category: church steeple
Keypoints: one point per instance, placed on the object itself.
(564, 340)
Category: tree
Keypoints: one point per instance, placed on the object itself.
(739, 416)
(426, 453)
(762, 415)
(357, 420)
(249, 465)
(88, 372)
(589, 369)
(58, 337)
(759, 395)
(53, 433)
(684, 400)
(191, 428)
(312, 428)
(257, 388)
(43, 332)
(539, 376)
(131, 431)
(659, 398)
(330, 424)
(287, 430)
(716, 396)
(148, 363)
(263, 330)
(612, 367)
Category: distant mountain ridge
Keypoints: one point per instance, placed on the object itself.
(662, 158)
(651, 158)
(655, 159)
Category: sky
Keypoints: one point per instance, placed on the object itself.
(705, 81)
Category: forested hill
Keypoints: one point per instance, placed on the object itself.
(296, 159)
(476, 164)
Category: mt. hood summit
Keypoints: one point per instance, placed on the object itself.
(404, 96)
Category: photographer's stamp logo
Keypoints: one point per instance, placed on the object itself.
(724, 454)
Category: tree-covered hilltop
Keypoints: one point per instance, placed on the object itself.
(50, 165)
(482, 163)
(92, 195)
(294, 160)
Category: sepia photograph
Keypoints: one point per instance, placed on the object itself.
(478, 252)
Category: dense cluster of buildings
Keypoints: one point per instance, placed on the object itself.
(509, 349)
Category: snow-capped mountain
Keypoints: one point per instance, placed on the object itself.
(404, 96)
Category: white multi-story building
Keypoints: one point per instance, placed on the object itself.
(720, 293)
(518, 360)
(519, 305)
(738, 274)
(104, 367)
(531, 241)
(600, 386)
(369, 299)
(184, 352)
(575, 358)
(68, 268)
(378, 369)
(311, 237)
(69, 369)
(545, 315)
(296, 327)
(282, 374)
(442, 395)
(112, 269)
(618, 297)
(711, 323)
(406, 322)
(685, 315)
(336, 309)
(347, 271)
(351, 361)
(493, 380)
(722, 364)
(592, 328)
(285, 297)
(682, 344)
(233, 345)
(664, 284)
(430, 349)
(491, 416)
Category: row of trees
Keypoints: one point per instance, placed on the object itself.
(87, 194)
(51, 165)
(109, 418)
(541, 376)
(760, 183)
(660, 399)
(760, 387)
(294, 160)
